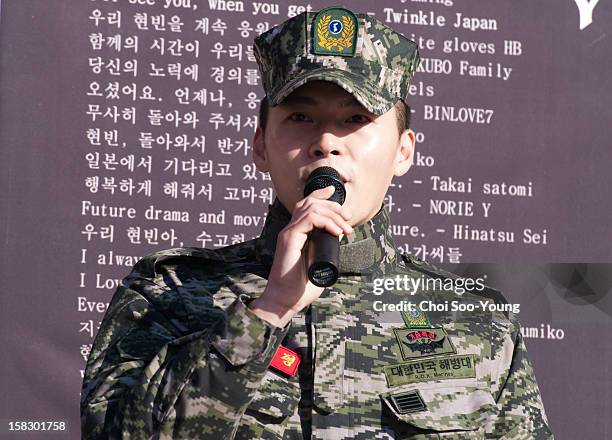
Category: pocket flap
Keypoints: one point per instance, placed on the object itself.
(276, 397)
(454, 408)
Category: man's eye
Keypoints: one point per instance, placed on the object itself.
(359, 119)
(299, 117)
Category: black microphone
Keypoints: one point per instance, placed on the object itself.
(323, 247)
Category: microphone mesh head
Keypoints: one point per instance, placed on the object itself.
(323, 177)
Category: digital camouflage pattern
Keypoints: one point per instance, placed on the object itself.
(376, 68)
(180, 355)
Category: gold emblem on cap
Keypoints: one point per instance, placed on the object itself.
(327, 41)
(334, 32)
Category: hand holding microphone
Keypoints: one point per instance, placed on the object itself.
(289, 289)
(324, 248)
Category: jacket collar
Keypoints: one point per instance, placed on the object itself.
(369, 249)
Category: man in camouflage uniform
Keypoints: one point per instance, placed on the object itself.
(236, 343)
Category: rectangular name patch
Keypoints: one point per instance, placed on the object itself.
(448, 367)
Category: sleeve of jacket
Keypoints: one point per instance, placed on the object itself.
(521, 412)
(147, 377)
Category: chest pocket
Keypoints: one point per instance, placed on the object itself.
(448, 412)
(274, 402)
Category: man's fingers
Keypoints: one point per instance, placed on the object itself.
(318, 197)
(325, 211)
(312, 220)
(321, 194)
(324, 193)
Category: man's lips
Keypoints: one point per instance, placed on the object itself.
(340, 172)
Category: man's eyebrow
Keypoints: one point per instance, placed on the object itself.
(351, 102)
(299, 99)
(307, 100)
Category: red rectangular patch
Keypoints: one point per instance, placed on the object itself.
(285, 361)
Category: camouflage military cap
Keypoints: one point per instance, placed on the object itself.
(353, 50)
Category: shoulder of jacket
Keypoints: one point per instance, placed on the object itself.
(431, 270)
(148, 265)
(419, 265)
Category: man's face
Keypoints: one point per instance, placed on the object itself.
(321, 124)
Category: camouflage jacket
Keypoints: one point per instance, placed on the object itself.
(180, 355)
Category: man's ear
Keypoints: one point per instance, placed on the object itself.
(405, 152)
(260, 155)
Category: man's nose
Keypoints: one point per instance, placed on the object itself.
(326, 144)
